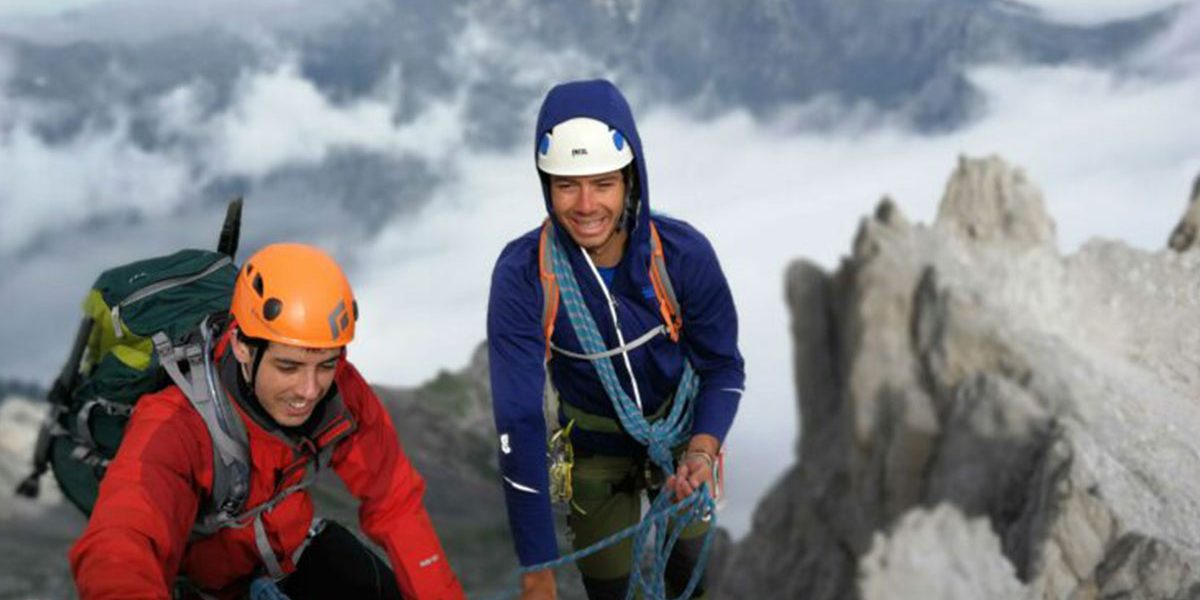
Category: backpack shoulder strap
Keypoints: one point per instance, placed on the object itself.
(664, 291)
(231, 453)
(549, 283)
(668, 304)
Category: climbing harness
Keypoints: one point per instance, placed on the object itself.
(666, 520)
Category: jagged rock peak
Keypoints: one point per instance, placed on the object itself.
(887, 217)
(986, 200)
(888, 213)
(1048, 399)
(1184, 235)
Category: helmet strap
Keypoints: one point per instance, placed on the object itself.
(258, 349)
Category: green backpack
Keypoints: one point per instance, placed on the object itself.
(146, 325)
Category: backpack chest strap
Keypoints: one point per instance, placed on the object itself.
(214, 522)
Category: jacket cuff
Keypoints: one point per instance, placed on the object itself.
(715, 410)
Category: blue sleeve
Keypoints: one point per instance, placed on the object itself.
(516, 355)
(710, 333)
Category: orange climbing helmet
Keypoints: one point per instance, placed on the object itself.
(294, 294)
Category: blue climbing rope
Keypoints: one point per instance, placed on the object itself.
(659, 438)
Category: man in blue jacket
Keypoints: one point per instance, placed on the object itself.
(593, 174)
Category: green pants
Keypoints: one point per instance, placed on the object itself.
(608, 498)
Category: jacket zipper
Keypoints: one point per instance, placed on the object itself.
(161, 286)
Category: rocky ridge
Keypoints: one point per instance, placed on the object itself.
(984, 417)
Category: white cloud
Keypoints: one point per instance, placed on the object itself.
(1095, 12)
(281, 118)
(44, 188)
(1113, 157)
(424, 282)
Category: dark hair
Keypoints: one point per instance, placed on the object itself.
(633, 195)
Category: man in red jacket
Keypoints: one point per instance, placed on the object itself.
(281, 366)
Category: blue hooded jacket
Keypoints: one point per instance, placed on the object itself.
(516, 342)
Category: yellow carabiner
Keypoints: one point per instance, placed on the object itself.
(562, 460)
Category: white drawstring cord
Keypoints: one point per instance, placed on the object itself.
(612, 310)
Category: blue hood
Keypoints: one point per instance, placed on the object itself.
(601, 100)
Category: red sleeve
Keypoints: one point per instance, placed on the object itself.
(134, 541)
(376, 471)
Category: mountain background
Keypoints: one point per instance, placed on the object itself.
(397, 135)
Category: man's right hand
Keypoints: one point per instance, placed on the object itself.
(539, 585)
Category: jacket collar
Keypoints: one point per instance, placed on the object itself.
(330, 421)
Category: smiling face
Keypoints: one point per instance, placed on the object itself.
(590, 207)
(291, 380)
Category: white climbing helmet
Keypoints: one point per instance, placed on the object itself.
(582, 146)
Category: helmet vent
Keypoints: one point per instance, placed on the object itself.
(272, 308)
(258, 284)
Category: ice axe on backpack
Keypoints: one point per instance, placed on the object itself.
(64, 386)
(231, 231)
(59, 396)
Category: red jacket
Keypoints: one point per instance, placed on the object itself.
(137, 538)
